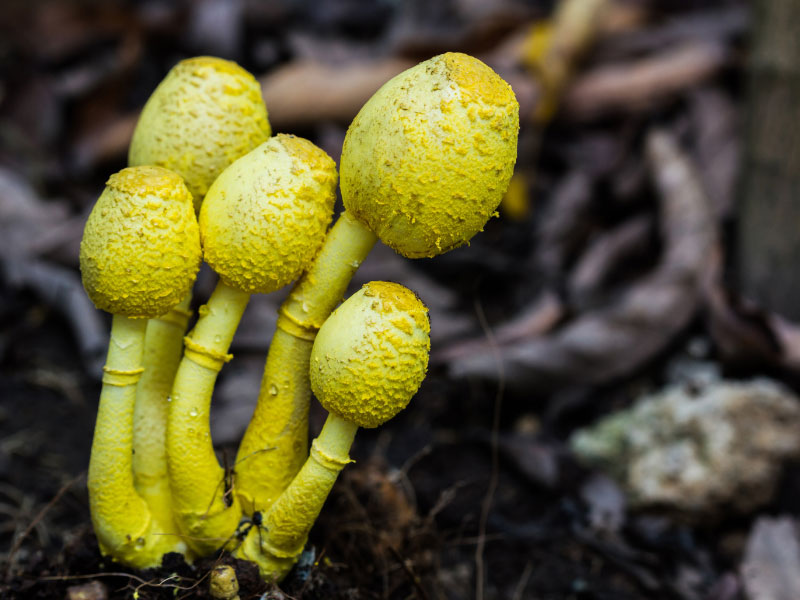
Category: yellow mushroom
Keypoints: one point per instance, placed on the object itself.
(206, 113)
(367, 362)
(261, 224)
(139, 255)
(425, 164)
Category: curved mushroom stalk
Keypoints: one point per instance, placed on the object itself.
(163, 347)
(139, 255)
(261, 224)
(127, 527)
(367, 362)
(425, 164)
(206, 113)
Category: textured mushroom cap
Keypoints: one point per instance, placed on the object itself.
(265, 216)
(371, 355)
(206, 113)
(428, 158)
(140, 250)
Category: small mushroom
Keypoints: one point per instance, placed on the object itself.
(139, 256)
(223, 583)
(368, 361)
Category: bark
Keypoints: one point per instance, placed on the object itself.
(768, 260)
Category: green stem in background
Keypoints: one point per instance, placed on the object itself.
(275, 444)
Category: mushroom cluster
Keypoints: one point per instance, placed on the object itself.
(424, 166)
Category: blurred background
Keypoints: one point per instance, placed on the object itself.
(610, 409)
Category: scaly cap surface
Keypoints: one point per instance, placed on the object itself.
(370, 356)
(427, 159)
(206, 113)
(265, 216)
(140, 250)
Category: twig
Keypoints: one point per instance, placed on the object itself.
(18, 542)
(523, 581)
(493, 479)
(409, 572)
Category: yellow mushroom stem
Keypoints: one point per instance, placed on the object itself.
(163, 348)
(276, 546)
(205, 513)
(367, 362)
(276, 441)
(125, 526)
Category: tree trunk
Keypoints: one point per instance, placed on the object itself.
(768, 258)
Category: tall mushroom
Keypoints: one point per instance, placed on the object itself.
(139, 255)
(205, 114)
(425, 164)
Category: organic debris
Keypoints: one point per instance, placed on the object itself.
(698, 450)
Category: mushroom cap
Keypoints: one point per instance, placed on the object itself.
(140, 250)
(370, 356)
(206, 113)
(428, 158)
(265, 216)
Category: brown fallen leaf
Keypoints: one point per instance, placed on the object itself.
(740, 329)
(29, 226)
(744, 332)
(61, 289)
(771, 565)
(717, 144)
(104, 143)
(309, 92)
(717, 23)
(639, 85)
(604, 254)
(563, 224)
(617, 339)
(539, 318)
(535, 459)
(25, 218)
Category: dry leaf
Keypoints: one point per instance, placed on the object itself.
(619, 338)
(771, 566)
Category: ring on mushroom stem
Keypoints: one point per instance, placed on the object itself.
(424, 165)
(206, 113)
(261, 224)
(368, 361)
(139, 255)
